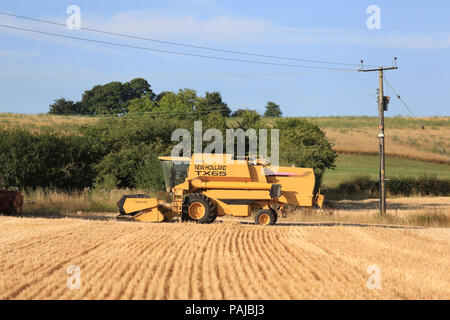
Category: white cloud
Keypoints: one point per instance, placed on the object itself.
(230, 31)
(159, 24)
(367, 37)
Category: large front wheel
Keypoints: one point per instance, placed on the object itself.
(198, 207)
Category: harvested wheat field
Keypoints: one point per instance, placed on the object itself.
(228, 260)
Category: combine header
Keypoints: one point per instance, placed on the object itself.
(202, 191)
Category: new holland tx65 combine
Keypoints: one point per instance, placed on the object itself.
(202, 191)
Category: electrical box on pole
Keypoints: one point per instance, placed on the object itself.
(385, 103)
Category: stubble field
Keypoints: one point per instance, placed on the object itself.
(224, 260)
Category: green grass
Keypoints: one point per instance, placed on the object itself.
(336, 122)
(352, 122)
(350, 165)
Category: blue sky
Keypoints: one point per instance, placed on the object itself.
(36, 69)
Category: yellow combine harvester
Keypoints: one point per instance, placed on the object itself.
(202, 191)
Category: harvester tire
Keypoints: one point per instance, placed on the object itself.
(266, 217)
(199, 208)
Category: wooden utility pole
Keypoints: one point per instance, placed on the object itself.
(382, 106)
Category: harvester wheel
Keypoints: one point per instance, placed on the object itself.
(266, 217)
(198, 207)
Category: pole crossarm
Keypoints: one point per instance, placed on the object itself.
(378, 69)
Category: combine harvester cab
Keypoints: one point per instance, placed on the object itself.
(202, 190)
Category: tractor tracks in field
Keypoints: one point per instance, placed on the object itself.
(228, 260)
(68, 252)
(337, 224)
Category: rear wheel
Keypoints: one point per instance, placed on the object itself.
(266, 217)
(198, 207)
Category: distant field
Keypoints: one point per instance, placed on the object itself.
(354, 135)
(126, 260)
(351, 165)
(39, 122)
(404, 136)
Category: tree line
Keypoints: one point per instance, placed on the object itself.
(137, 97)
(122, 152)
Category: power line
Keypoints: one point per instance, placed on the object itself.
(367, 83)
(416, 118)
(170, 52)
(171, 113)
(157, 113)
(184, 44)
(181, 76)
(363, 81)
(154, 113)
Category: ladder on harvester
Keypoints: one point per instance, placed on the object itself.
(177, 204)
